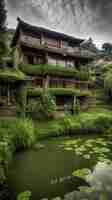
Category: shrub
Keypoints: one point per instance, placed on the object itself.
(24, 196)
(24, 134)
(59, 70)
(108, 85)
(43, 107)
(17, 133)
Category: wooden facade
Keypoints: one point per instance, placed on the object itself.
(37, 45)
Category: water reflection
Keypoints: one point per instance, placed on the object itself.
(50, 172)
(101, 177)
(100, 181)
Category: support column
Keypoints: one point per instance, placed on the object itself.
(46, 82)
(22, 99)
(8, 94)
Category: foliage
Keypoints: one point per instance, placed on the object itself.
(78, 124)
(14, 135)
(2, 16)
(44, 107)
(56, 70)
(34, 92)
(3, 48)
(24, 196)
(81, 173)
(107, 47)
(63, 91)
(82, 75)
(89, 45)
(108, 84)
(43, 69)
(11, 74)
(58, 91)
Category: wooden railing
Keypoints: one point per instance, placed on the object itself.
(50, 82)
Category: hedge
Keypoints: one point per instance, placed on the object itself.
(56, 70)
(11, 74)
(58, 91)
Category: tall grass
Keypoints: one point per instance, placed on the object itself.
(15, 135)
(84, 123)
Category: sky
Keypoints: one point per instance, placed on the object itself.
(80, 18)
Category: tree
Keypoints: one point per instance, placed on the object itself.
(89, 45)
(107, 48)
(3, 16)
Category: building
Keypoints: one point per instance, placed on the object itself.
(53, 62)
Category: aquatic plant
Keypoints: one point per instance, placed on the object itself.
(24, 196)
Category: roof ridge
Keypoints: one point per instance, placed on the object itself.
(59, 34)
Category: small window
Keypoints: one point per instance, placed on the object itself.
(30, 59)
(10, 64)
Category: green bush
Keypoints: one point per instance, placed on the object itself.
(44, 69)
(108, 85)
(59, 70)
(43, 107)
(24, 133)
(11, 74)
(24, 196)
(15, 134)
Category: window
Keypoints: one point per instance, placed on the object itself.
(70, 63)
(30, 59)
(39, 60)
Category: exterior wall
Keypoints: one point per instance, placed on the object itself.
(30, 40)
(17, 57)
(60, 61)
(51, 42)
(51, 60)
(56, 60)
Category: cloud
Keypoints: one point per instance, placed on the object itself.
(80, 17)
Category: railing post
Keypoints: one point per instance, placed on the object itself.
(46, 81)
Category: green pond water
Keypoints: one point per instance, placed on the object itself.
(61, 165)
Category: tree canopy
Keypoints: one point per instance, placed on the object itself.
(107, 48)
(89, 45)
(3, 16)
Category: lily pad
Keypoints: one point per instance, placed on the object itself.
(82, 173)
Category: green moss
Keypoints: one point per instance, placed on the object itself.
(63, 91)
(44, 69)
(11, 74)
(33, 92)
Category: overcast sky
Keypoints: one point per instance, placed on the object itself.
(80, 18)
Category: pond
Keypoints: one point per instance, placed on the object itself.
(62, 166)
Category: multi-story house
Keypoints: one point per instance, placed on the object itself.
(52, 60)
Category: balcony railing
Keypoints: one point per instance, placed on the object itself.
(36, 43)
(60, 83)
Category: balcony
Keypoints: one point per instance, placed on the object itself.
(66, 51)
(53, 82)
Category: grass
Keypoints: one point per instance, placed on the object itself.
(15, 134)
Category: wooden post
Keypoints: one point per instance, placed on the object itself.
(46, 82)
(8, 94)
(23, 99)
